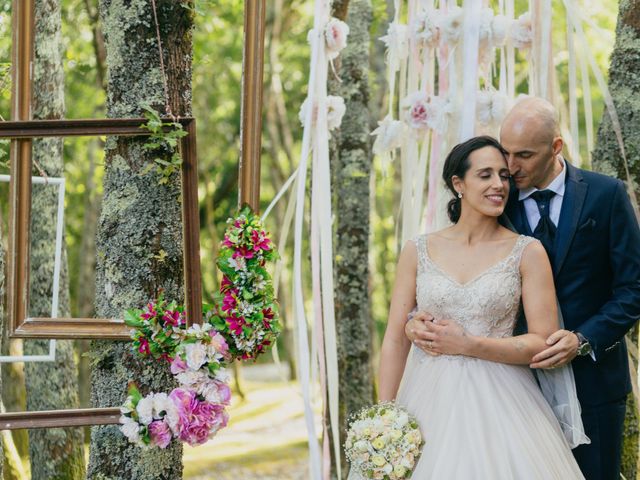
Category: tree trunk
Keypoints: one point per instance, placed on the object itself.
(54, 453)
(139, 218)
(624, 84)
(351, 163)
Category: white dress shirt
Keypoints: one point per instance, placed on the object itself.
(555, 204)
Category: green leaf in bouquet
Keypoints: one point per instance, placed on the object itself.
(134, 393)
(132, 318)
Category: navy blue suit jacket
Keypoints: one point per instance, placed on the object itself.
(596, 268)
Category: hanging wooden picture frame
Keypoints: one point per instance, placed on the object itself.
(22, 129)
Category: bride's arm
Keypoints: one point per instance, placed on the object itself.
(395, 345)
(539, 300)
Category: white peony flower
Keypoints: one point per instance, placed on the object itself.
(130, 429)
(335, 34)
(335, 111)
(389, 135)
(424, 111)
(195, 355)
(451, 26)
(397, 42)
(426, 27)
(522, 31)
(145, 410)
(491, 107)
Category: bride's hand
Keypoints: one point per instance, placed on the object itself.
(445, 337)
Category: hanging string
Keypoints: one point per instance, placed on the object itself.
(162, 70)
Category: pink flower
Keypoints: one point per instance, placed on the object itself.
(173, 318)
(224, 392)
(178, 366)
(260, 241)
(426, 112)
(197, 419)
(227, 243)
(149, 312)
(236, 323)
(219, 343)
(160, 433)
(144, 346)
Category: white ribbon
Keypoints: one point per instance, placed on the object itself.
(470, 68)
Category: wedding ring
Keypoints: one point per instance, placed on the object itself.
(429, 344)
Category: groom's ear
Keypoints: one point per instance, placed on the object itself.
(557, 145)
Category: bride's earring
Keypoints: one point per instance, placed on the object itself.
(459, 194)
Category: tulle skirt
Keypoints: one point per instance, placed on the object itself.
(483, 420)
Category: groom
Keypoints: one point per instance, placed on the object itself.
(587, 225)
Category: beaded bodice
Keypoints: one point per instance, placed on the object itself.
(486, 306)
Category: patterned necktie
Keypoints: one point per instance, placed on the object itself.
(545, 231)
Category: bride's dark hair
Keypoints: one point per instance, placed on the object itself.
(457, 163)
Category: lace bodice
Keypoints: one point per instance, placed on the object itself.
(486, 306)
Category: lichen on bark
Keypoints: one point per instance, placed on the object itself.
(624, 85)
(351, 170)
(139, 218)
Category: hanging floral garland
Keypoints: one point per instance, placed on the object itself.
(242, 324)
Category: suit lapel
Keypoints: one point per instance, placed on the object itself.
(575, 193)
(515, 213)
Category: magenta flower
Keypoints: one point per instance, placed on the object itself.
(225, 284)
(243, 251)
(144, 346)
(236, 323)
(149, 312)
(227, 243)
(178, 366)
(160, 433)
(229, 301)
(173, 318)
(260, 242)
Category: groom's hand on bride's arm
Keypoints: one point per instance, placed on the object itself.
(562, 347)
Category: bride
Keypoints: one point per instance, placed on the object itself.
(479, 407)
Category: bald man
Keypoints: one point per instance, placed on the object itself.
(588, 227)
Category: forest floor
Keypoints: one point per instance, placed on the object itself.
(266, 437)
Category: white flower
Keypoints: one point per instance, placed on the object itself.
(426, 27)
(389, 135)
(145, 410)
(335, 34)
(195, 355)
(397, 43)
(424, 111)
(500, 30)
(451, 26)
(522, 31)
(130, 429)
(335, 111)
(491, 107)
(162, 403)
(238, 263)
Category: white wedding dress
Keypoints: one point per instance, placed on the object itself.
(480, 420)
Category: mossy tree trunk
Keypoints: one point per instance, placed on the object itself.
(139, 238)
(54, 453)
(624, 84)
(351, 163)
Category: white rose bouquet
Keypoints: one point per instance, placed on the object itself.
(383, 442)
